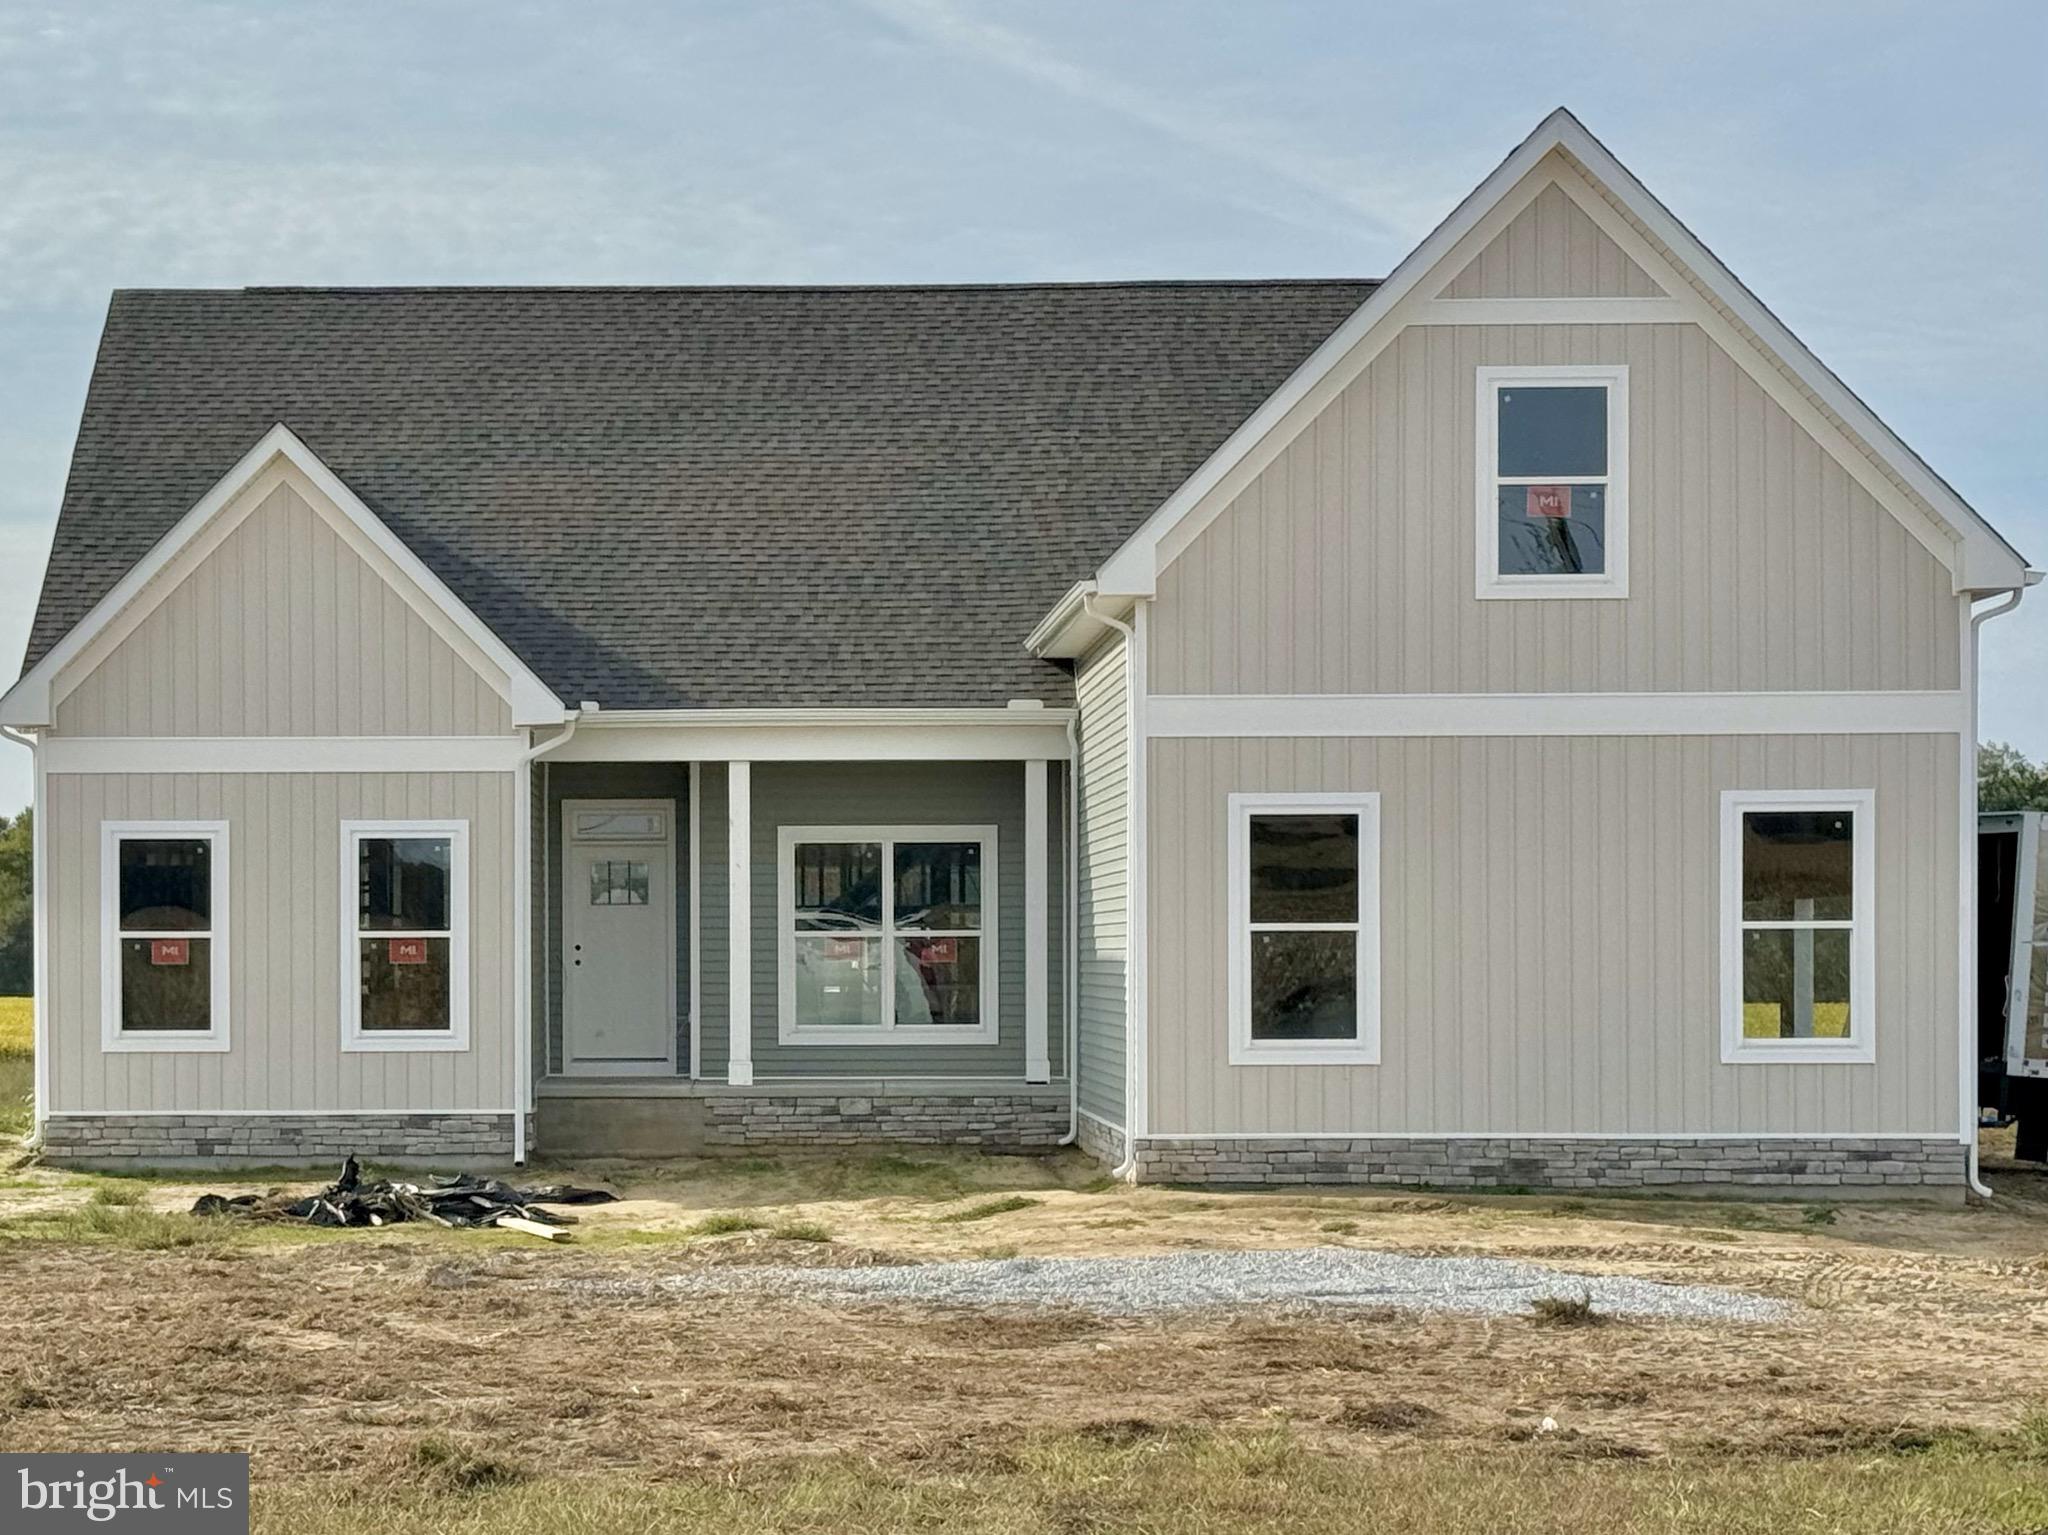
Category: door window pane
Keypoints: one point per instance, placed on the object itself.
(166, 885)
(620, 826)
(404, 885)
(837, 884)
(838, 981)
(166, 984)
(1304, 985)
(938, 980)
(1553, 530)
(1798, 865)
(1795, 983)
(1304, 868)
(1553, 430)
(405, 983)
(615, 882)
(938, 885)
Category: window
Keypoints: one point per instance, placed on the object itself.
(1304, 929)
(1796, 922)
(164, 935)
(618, 882)
(405, 964)
(887, 933)
(1553, 482)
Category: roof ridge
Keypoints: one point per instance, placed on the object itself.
(1032, 286)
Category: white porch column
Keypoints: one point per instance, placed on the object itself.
(1037, 944)
(739, 902)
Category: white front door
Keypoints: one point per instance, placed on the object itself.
(618, 936)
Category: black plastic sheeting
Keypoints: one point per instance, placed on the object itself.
(458, 1200)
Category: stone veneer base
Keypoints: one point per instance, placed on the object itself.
(1833, 1167)
(159, 1140)
(1104, 1142)
(993, 1121)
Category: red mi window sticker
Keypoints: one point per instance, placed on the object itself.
(1550, 501)
(408, 951)
(170, 951)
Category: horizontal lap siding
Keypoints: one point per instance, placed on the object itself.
(1551, 941)
(1103, 695)
(285, 937)
(283, 631)
(1757, 563)
(873, 793)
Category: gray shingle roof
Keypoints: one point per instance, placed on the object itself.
(702, 497)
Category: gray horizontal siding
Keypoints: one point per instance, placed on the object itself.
(881, 793)
(1104, 788)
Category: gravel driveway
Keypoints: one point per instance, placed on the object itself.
(1314, 1277)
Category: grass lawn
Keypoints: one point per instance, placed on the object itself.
(413, 1379)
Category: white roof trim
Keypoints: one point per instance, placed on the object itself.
(30, 703)
(1981, 559)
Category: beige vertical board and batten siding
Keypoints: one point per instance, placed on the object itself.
(284, 630)
(1550, 938)
(285, 945)
(1758, 563)
(1552, 249)
(1102, 688)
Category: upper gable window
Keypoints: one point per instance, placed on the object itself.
(1553, 482)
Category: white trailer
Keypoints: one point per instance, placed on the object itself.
(2012, 972)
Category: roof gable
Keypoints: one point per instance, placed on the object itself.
(1552, 249)
(1702, 292)
(214, 519)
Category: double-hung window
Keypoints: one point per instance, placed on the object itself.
(164, 935)
(1552, 479)
(405, 935)
(887, 934)
(1304, 929)
(1797, 965)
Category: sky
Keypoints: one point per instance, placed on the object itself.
(1877, 173)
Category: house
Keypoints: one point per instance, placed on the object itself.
(1512, 722)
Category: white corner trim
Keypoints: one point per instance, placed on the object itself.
(1860, 1048)
(1037, 923)
(888, 1032)
(214, 1039)
(1966, 543)
(739, 921)
(1364, 1048)
(1555, 714)
(1488, 582)
(31, 701)
(283, 754)
(455, 1038)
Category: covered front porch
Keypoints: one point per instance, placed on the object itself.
(820, 927)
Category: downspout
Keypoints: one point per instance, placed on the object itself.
(1070, 969)
(39, 1111)
(1967, 1024)
(522, 1044)
(1127, 1170)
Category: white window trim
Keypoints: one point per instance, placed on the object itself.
(889, 1032)
(1860, 1048)
(1365, 1049)
(113, 1039)
(454, 1038)
(1490, 583)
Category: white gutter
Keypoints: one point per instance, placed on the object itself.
(39, 1038)
(1070, 954)
(522, 947)
(1127, 1169)
(1967, 961)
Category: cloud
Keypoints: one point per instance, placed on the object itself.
(1360, 195)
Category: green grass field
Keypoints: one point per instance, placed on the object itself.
(17, 1063)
